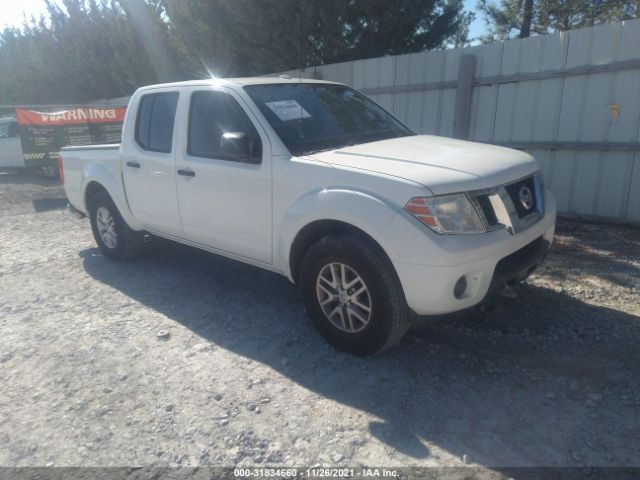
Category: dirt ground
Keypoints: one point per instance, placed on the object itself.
(550, 378)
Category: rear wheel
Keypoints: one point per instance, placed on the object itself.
(353, 295)
(114, 237)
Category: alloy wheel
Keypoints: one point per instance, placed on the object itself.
(106, 227)
(344, 297)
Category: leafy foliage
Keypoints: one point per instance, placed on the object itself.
(245, 37)
(83, 50)
(79, 51)
(506, 19)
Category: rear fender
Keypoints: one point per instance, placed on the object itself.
(95, 172)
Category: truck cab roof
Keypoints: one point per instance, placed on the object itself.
(242, 81)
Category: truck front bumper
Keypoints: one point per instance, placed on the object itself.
(518, 266)
(431, 289)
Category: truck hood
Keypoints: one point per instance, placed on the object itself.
(443, 165)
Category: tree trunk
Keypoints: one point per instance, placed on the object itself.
(525, 29)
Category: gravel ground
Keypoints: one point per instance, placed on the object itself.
(238, 377)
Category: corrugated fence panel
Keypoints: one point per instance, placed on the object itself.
(546, 160)
(601, 107)
(447, 108)
(563, 178)
(410, 70)
(338, 72)
(376, 72)
(421, 111)
(432, 99)
(629, 82)
(633, 204)
(508, 106)
(528, 110)
(484, 99)
(511, 107)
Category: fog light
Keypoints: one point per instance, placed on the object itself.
(460, 287)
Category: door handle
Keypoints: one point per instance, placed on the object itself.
(133, 164)
(187, 173)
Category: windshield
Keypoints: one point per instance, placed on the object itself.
(311, 117)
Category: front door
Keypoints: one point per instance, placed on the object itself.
(225, 196)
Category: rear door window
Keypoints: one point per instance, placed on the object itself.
(156, 117)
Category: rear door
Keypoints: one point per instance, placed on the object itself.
(148, 163)
(225, 201)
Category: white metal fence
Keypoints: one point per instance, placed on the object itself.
(571, 99)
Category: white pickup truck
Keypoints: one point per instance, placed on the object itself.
(312, 180)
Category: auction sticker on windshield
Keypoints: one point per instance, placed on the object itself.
(288, 110)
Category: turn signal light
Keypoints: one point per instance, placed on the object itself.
(419, 208)
(446, 214)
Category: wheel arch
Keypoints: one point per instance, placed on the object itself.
(97, 177)
(318, 229)
(90, 190)
(328, 211)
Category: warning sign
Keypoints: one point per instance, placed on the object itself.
(43, 134)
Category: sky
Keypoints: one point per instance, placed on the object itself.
(477, 28)
(12, 13)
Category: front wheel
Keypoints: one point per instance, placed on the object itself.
(353, 295)
(115, 239)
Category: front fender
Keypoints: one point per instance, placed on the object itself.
(96, 172)
(363, 210)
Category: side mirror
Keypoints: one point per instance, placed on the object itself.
(237, 145)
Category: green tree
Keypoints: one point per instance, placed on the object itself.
(81, 50)
(246, 37)
(521, 18)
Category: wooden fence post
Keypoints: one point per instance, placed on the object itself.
(462, 114)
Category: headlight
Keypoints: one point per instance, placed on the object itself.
(446, 213)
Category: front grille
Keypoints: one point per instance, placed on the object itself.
(514, 207)
(484, 202)
(523, 196)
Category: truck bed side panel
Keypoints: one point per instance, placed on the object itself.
(78, 164)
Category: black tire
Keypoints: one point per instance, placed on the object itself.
(390, 317)
(129, 243)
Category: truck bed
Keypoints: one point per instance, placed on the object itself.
(78, 161)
